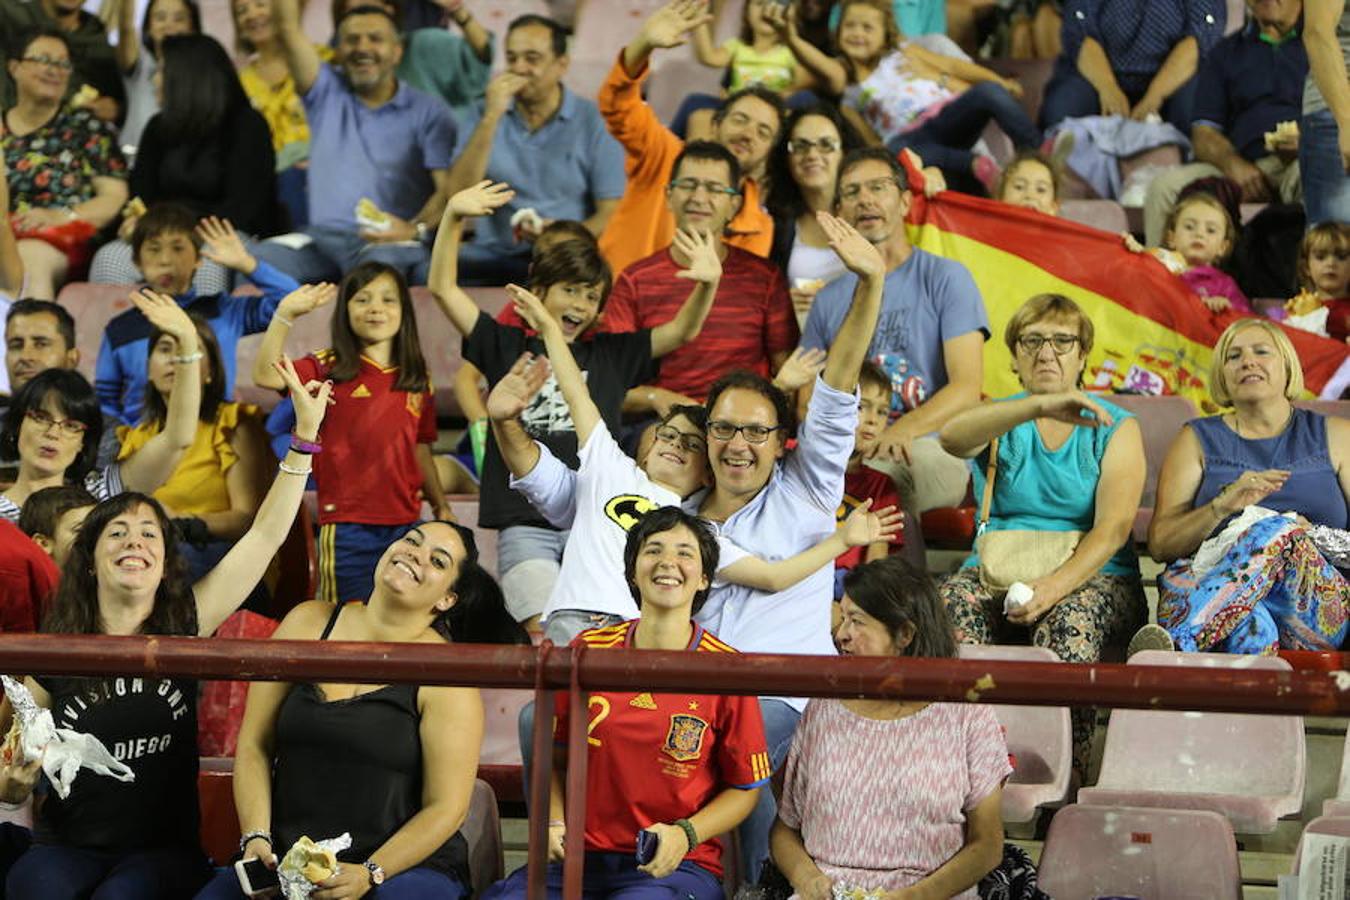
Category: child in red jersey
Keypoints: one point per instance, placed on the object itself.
(862, 482)
(1323, 304)
(686, 767)
(374, 466)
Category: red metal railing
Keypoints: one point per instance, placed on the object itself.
(548, 669)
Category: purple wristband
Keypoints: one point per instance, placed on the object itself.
(302, 446)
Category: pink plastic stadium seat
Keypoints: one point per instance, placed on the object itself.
(1160, 420)
(1161, 854)
(1327, 823)
(603, 28)
(1339, 408)
(1038, 737)
(1339, 806)
(1250, 768)
(501, 739)
(466, 511)
(1106, 215)
(495, 15)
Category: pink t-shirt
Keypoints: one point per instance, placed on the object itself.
(881, 804)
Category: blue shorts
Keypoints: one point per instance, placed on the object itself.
(348, 552)
(606, 874)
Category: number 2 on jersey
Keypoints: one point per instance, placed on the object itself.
(600, 705)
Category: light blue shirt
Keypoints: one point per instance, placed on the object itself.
(386, 153)
(560, 171)
(915, 17)
(926, 302)
(793, 512)
(1038, 489)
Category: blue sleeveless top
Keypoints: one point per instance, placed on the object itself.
(1313, 490)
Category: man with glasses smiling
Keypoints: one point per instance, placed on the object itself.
(929, 337)
(747, 124)
(751, 326)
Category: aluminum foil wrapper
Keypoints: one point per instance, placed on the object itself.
(63, 751)
(1332, 543)
(853, 892)
(295, 886)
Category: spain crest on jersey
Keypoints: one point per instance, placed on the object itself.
(684, 740)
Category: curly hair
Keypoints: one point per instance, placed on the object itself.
(75, 608)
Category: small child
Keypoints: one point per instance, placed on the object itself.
(1197, 238)
(1031, 180)
(761, 55)
(168, 245)
(52, 518)
(1323, 304)
(861, 482)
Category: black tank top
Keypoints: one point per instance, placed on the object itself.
(151, 725)
(352, 765)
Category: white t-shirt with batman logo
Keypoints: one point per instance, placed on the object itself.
(599, 501)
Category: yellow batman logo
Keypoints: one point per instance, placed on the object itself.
(626, 509)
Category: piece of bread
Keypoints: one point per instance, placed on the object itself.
(84, 96)
(312, 861)
(1284, 131)
(11, 752)
(370, 215)
(134, 209)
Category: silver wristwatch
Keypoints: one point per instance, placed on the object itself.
(376, 872)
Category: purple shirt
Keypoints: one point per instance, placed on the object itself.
(386, 153)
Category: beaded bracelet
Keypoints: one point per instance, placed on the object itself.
(254, 836)
(188, 358)
(291, 470)
(289, 323)
(690, 834)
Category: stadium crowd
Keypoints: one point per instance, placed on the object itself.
(726, 375)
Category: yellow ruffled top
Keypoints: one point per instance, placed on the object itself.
(283, 110)
(198, 485)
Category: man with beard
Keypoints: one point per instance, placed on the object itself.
(747, 123)
(373, 142)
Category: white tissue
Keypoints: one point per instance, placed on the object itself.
(1018, 595)
(526, 216)
(63, 751)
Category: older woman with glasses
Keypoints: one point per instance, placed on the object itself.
(53, 425)
(67, 178)
(1067, 472)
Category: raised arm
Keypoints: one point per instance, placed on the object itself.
(708, 53)
(818, 69)
(855, 333)
(478, 37)
(221, 590)
(297, 303)
(151, 466)
(1326, 64)
(128, 46)
(967, 433)
(571, 381)
(302, 60)
(862, 528)
(507, 400)
(669, 26)
(482, 199)
(705, 270)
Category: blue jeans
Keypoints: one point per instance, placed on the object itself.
(348, 554)
(614, 875)
(780, 724)
(1326, 187)
(334, 251)
(420, 883)
(945, 139)
(52, 872)
(1069, 95)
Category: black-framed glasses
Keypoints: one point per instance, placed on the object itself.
(754, 434)
(45, 420)
(1031, 344)
(50, 62)
(803, 146)
(875, 187)
(691, 185)
(693, 443)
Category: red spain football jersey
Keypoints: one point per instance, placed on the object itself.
(368, 472)
(661, 757)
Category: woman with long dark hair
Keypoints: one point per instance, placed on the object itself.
(207, 148)
(138, 56)
(124, 576)
(405, 755)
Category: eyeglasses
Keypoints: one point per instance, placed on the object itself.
(693, 443)
(1031, 344)
(754, 434)
(45, 420)
(63, 65)
(802, 146)
(691, 186)
(875, 187)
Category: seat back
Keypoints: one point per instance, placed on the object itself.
(1185, 753)
(1339, 408)
(1160, 421)
(1338, 825)
(1106, 215)
(495, 15)
(482, 830)
(215, 798)
(1161, 854)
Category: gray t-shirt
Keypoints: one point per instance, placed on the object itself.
(926, 302)
(1313, 101)
(142, 104)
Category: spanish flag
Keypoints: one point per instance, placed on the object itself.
(1153, 336)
